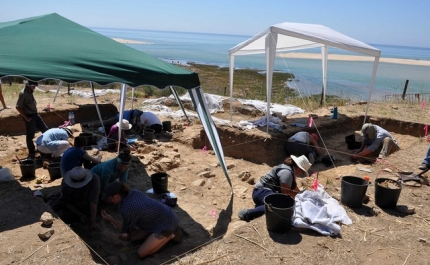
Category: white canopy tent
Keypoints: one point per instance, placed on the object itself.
(286, 37)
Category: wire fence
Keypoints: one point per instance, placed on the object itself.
(407, 98)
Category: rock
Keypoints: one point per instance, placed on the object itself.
(374, 211)
(47, 218)
(47, 234)
(244, 175)
(199, 182)
(230, 166)
(206, 174)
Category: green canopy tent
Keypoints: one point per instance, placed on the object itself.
(53, 47)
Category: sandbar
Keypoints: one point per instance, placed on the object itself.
(341, 57)
(125, 41)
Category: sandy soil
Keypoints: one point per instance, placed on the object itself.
(208, 209)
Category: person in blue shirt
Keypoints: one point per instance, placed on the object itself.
(54, 141)
(130, 115)
(156, 222)
(113, 169)
(376, 142)
(75, 156)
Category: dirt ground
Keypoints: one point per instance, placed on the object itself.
(208, 206)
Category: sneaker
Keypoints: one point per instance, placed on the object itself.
(423, 166)
(244, 215)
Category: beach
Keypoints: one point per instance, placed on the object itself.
(125, 41)
(357, 58)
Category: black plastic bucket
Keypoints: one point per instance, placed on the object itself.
(88, 137)
(279, 212)
(54, 171)
(159, 182)
(148, 135)
(386, 197)
(167, 126)
(28, 169)
(353, 190)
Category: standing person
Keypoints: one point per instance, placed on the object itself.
(376, 142)
(281, 179)
(154, 220)
(26, 106)
(75, 156)
(113, 169)
(2, 99)
(114, 132)
(54, 141)
(79, 197)
(304, 143)
(150, 120)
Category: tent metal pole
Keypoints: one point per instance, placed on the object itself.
(271, 40)
(58, 89)
(132, 97)
(121, 113)
(231, 70)
(324, 52)
(175, 94)
(97, 107)
(375, 67)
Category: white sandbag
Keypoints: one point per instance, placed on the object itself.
(6, 175)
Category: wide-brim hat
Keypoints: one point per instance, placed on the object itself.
(78, 177)
(302, 162)
(370, 130)
(33, 83)
(125, 125)
(68, 129)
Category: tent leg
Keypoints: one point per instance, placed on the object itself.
(97, 107)
(175, 94)
(58, 89)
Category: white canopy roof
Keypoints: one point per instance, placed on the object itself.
(298, 36)
(285, 37)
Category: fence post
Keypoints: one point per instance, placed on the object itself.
(404, 90)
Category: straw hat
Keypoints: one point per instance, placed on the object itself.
(302, 162)
(125, 125)
(68, 129)
(78, 177)
(370, 130)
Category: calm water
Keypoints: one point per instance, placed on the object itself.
(348, 79)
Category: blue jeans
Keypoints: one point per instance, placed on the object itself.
(36, 122)
(427, 158)
(258, 196)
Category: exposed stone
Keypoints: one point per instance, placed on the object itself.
(230, 166)
(47, 218)
(206, 174)
(244, 175)
(198, 183)
(46, 235)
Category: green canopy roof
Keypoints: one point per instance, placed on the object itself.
(53, 47)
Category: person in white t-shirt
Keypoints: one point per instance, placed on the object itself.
(150, 120)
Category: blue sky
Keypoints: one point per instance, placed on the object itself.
(372, 21)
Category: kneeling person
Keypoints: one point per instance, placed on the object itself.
(155, 221)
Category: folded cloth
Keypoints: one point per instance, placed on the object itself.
(318, 211)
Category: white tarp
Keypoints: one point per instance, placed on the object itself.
(287, 37)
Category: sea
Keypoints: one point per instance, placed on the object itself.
(347, 79)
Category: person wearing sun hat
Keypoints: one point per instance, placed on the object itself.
(54, 141)
(114, 132)
(79, 197)
(280, 179)
(143, 218)
(376, 142)
(304, 143)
